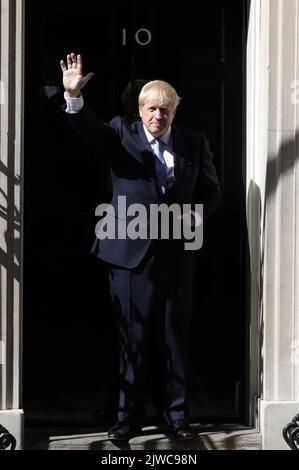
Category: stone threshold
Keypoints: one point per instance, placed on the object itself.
(210, 437)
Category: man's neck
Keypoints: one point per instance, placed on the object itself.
(165, 136)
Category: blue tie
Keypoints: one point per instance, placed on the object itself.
(160, 167)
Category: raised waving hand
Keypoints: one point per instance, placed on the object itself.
(73, 80)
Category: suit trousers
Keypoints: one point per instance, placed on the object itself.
(153, 302)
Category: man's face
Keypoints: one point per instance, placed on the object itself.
(156, 117)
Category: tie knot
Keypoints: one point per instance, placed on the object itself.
(159, 145)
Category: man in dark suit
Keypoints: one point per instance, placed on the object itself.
(151, 278)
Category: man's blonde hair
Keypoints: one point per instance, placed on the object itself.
(160, 90)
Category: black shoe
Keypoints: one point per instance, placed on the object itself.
(180, 430)
(124, 432)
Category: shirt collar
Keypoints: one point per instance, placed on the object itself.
(165, 137)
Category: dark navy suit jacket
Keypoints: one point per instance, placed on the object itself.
(133, 175)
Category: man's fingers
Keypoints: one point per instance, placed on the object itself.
(74, 61)
(79, 62)
(86, 79)
(188, 219)
(89, 76)
(69, 61)
(62, 65)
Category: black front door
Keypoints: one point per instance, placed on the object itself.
(70, 354)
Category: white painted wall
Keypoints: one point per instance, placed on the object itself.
(11, 147)
(272, 157)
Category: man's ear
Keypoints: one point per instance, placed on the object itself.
(174, 112)
(140, 111)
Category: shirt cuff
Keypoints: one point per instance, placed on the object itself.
(73, 105)
(197, 217)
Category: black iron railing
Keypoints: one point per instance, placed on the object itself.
(7, 440)
(291, 433)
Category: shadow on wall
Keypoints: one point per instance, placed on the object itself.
(278, 166)
(11, 225)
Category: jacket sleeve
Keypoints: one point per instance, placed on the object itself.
(96, 133)
(207, 191)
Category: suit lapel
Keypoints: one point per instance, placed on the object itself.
(142, 136)
(146, 151)
(147, 155)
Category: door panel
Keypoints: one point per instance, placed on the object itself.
(69, 333)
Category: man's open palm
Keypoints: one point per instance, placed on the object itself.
(73, 80)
